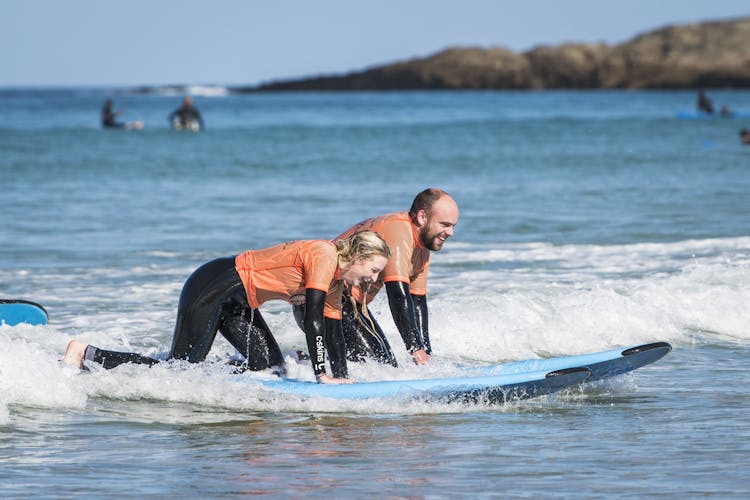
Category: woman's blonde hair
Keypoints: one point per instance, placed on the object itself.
(362, 245)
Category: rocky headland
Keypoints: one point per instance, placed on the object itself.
(712, 54)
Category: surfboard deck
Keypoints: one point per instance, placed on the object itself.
(15, 311)
(494, 383)
(603, 364)
(492, 389)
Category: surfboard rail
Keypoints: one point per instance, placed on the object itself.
(491, 389)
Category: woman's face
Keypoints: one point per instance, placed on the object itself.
(364, 270)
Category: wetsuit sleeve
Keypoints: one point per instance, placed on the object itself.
(404, 314)
(323, 334)
(314, 327)
(420, 305)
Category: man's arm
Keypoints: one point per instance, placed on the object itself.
(405, 313)
(420, 306)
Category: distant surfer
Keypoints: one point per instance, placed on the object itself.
(186, 117)
(704, 103)
(411, 236)
(745, 136)
(109, 118)
(225, 294)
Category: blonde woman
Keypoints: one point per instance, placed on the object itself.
(225, 294)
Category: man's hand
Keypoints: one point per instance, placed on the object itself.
(420, 357)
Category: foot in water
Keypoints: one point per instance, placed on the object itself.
(74, 354)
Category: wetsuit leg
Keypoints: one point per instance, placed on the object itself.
(111, 359)
(198, 316)
(247, 331)
(298, 310)
(336, 347)
(199, 313)
(363, 336)
(212, 299)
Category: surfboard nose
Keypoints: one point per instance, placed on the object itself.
(16, 311)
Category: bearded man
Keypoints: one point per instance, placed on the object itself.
(412, 236)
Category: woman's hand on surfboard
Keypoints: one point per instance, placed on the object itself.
(327, 379)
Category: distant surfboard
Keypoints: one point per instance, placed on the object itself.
(191, 126)
(14, 312)
(697, 115)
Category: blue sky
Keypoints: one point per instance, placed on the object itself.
(132, 42)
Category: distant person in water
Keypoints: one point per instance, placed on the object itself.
(745, 136)
(704, 103)
(725, 111)
(109, 118)
(186, 117)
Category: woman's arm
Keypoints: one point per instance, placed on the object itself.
(323, 334)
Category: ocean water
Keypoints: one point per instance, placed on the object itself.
(589, 221)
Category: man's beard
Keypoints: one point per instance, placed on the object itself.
(431, 242)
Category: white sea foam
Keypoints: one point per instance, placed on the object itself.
(488, 303)
(207, 90)
(525, 300)
(194, 90)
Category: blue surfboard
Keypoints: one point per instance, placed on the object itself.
(491, 389)
(14, 312)
(494, 383)
(697, 115)
(602, 365)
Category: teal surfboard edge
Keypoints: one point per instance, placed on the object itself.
(17, 311)
(482, 388)
(603, 364)
(698, 115)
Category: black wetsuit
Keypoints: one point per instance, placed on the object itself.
(187, 114)
(704, 104)
(108, 118)
(214, 299)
